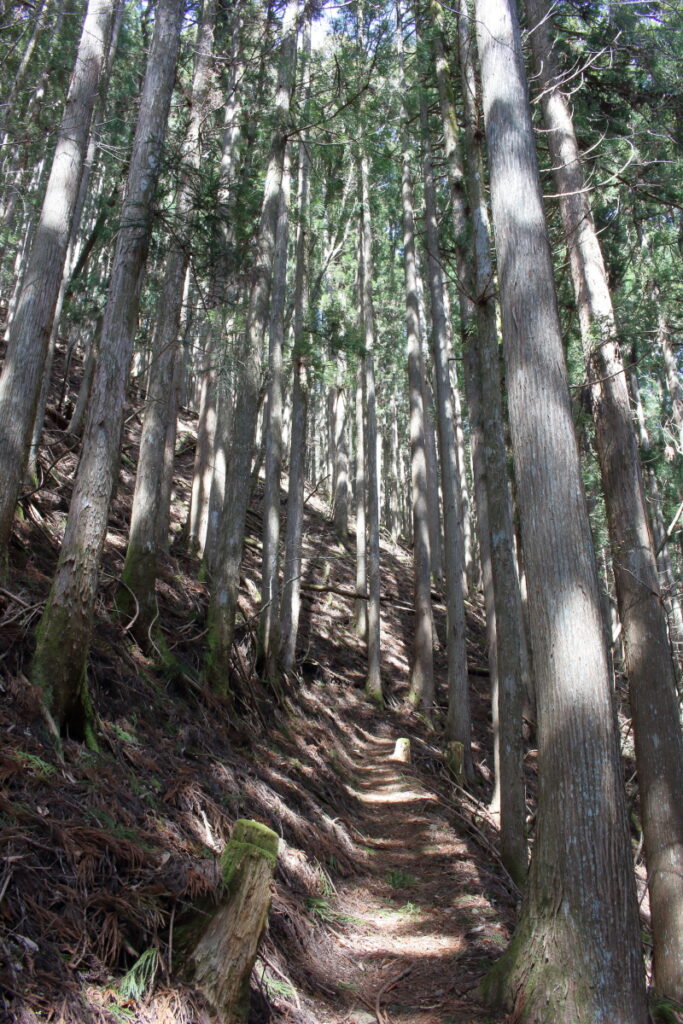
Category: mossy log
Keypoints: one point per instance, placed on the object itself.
(224, 957)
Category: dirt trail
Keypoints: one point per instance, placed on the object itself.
(412, 929)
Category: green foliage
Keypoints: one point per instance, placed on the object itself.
(398, 879)
(139, 980)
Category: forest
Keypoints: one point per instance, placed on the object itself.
(341, 514)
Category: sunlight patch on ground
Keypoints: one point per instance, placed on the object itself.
(393, 796)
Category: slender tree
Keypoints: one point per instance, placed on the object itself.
(458, 721)
(63, 640)
(373, 684)
(32, 321)
(145, 541)
(223, 606)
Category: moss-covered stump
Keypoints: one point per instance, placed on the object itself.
(455, 760)
(224, 957)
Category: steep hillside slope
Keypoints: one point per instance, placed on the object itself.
(389, 900)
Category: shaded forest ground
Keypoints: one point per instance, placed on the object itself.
(389, 902)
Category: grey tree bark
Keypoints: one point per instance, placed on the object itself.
(63, 640)
(373, 685)
(422, 668)
(225, 588)
(458, 720)
(649, 664)
(361, 608)
(269, 618)
(340, 506)
(137, 595)
(511, 655)
(291, 587)
(575, 957)
(31, 324)
(70, 263)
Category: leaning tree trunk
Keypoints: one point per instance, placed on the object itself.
(63, 641)
(32, 321)
(649, 663)
(575, 957)
(226, 577)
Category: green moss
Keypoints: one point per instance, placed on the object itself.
(59, 668)
(494, 988)
(217, 666)
(249, 839)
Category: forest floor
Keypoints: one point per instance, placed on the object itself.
(389, 903)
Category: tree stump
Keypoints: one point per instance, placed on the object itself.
(402, 750)
(224, 957)
(455, 760)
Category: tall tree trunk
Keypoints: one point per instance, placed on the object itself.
(458, 722)
(511, 659)
(373, 685)
(340, 507)
(361, 609)
(422, 667)
(69, 265)
(63, 641)
(141, 564)
(214, 424)
(225, 588)
(291, 587)
(575, 957)
(269, 618)
(672, 376)
(671, 600)
(32, 322)
(649, 664)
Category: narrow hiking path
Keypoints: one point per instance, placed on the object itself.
(415, 929)
(386, 907)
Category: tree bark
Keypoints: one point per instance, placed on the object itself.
(32, 321)
(373, 685)
(421, 692)
(422, 668)
(269, 618)
(340, 507)
(649, 664)
(511, 660)
(225, 584)
(458, 721)
(225, 955)
(60, 660)
(575, 957)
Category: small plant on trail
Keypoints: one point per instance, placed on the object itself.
(398, 879)
(41, 768)
(140, 978)
(275, 987)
